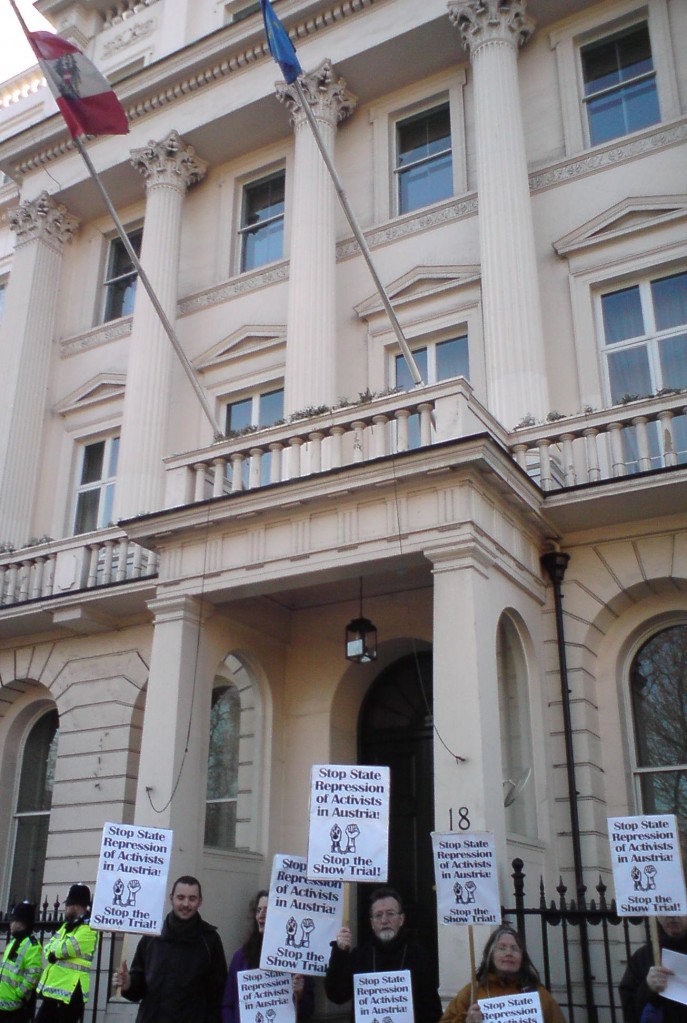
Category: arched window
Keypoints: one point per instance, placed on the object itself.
(223, 768)
(658, 688)
(516, 732)
(31, 819)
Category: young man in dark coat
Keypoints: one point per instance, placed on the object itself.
(388, 949)
(643, 981)
(178, 976)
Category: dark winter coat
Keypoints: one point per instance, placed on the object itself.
(179, 976)
(375, 956)
(634, 993)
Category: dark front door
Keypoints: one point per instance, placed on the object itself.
(395, 730)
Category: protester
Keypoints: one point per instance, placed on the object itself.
(20, 969)
(178, 976)
(643, 982)
(248, 958)
(388, 949)
(505, 969)
(68, 957)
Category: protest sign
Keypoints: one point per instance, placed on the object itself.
(647, 867)
(676, 987)
(265, 997)
(525, 1008)
(349, 823)
(131, 888)
(302, 920)
(383, 996)
(466, 878)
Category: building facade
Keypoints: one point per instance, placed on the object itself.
(175, 588)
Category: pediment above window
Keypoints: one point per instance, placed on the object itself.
(632, 215)
(104, 387)
(248, 340)
(421, 282)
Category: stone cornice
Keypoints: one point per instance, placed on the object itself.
(195, 67)
(100, 335)
(235, 286)
(43, 219)
(169, 163)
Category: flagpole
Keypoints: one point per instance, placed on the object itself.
(164, 320)
(359, 237)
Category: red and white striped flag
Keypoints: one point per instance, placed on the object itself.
(88, 102)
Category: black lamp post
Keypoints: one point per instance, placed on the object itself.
(361, 637)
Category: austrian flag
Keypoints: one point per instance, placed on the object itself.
(85, 97)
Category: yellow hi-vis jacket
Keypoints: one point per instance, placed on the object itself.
(68, 957)
(20, 973)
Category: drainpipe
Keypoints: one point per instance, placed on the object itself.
(555, 564)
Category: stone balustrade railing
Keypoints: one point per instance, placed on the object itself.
(77, 563)
(391, 424)
(640, 436)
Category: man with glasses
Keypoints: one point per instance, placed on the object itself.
(388, 949)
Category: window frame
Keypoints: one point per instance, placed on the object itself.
(225, 685)
(244, 230)
(105, 481)
(110, 280)
(445, 88)
(593, 26)
(398, 169)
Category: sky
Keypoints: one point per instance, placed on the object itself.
(15, 52)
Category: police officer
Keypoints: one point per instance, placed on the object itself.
(21, 967)
(68, 957)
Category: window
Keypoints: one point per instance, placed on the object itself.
(120, 281)
(620, 92)
(3, 288)
(95, 491)
(437, 361)
(255, 411)
(645, 340)
(223, 768)
(262, 221)
(424, 167)
(658, 690)
(31, 819)
(516, 733)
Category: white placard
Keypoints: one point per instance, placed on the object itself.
(131, 889)
(303, 919)
(647, 866)
(525, 1008)
(265, 997)
(349, 823)
(383, 997)
(676, 988)
(466, 878)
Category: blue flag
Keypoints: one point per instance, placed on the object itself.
(280, 45)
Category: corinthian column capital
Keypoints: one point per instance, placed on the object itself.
(45, 219)
(169, 163)
(326, 93)
(491, 21)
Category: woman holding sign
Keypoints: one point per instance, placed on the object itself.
(248, 958)
(506, 969)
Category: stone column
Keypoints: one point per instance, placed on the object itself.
(468, 792)
(43, 227)
(311, 331)
(493, 31)
(173, 764)
(169, 168)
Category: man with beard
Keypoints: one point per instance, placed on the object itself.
(388, 949)
(178, 976)
(643, 983)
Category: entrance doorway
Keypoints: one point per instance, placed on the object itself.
(395, 730)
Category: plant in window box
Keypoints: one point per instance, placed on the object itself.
(554, 416)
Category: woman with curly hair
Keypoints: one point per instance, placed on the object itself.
(505, 969)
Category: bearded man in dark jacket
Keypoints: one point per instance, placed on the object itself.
(178, 976)
(643, 981)
(389, 949)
